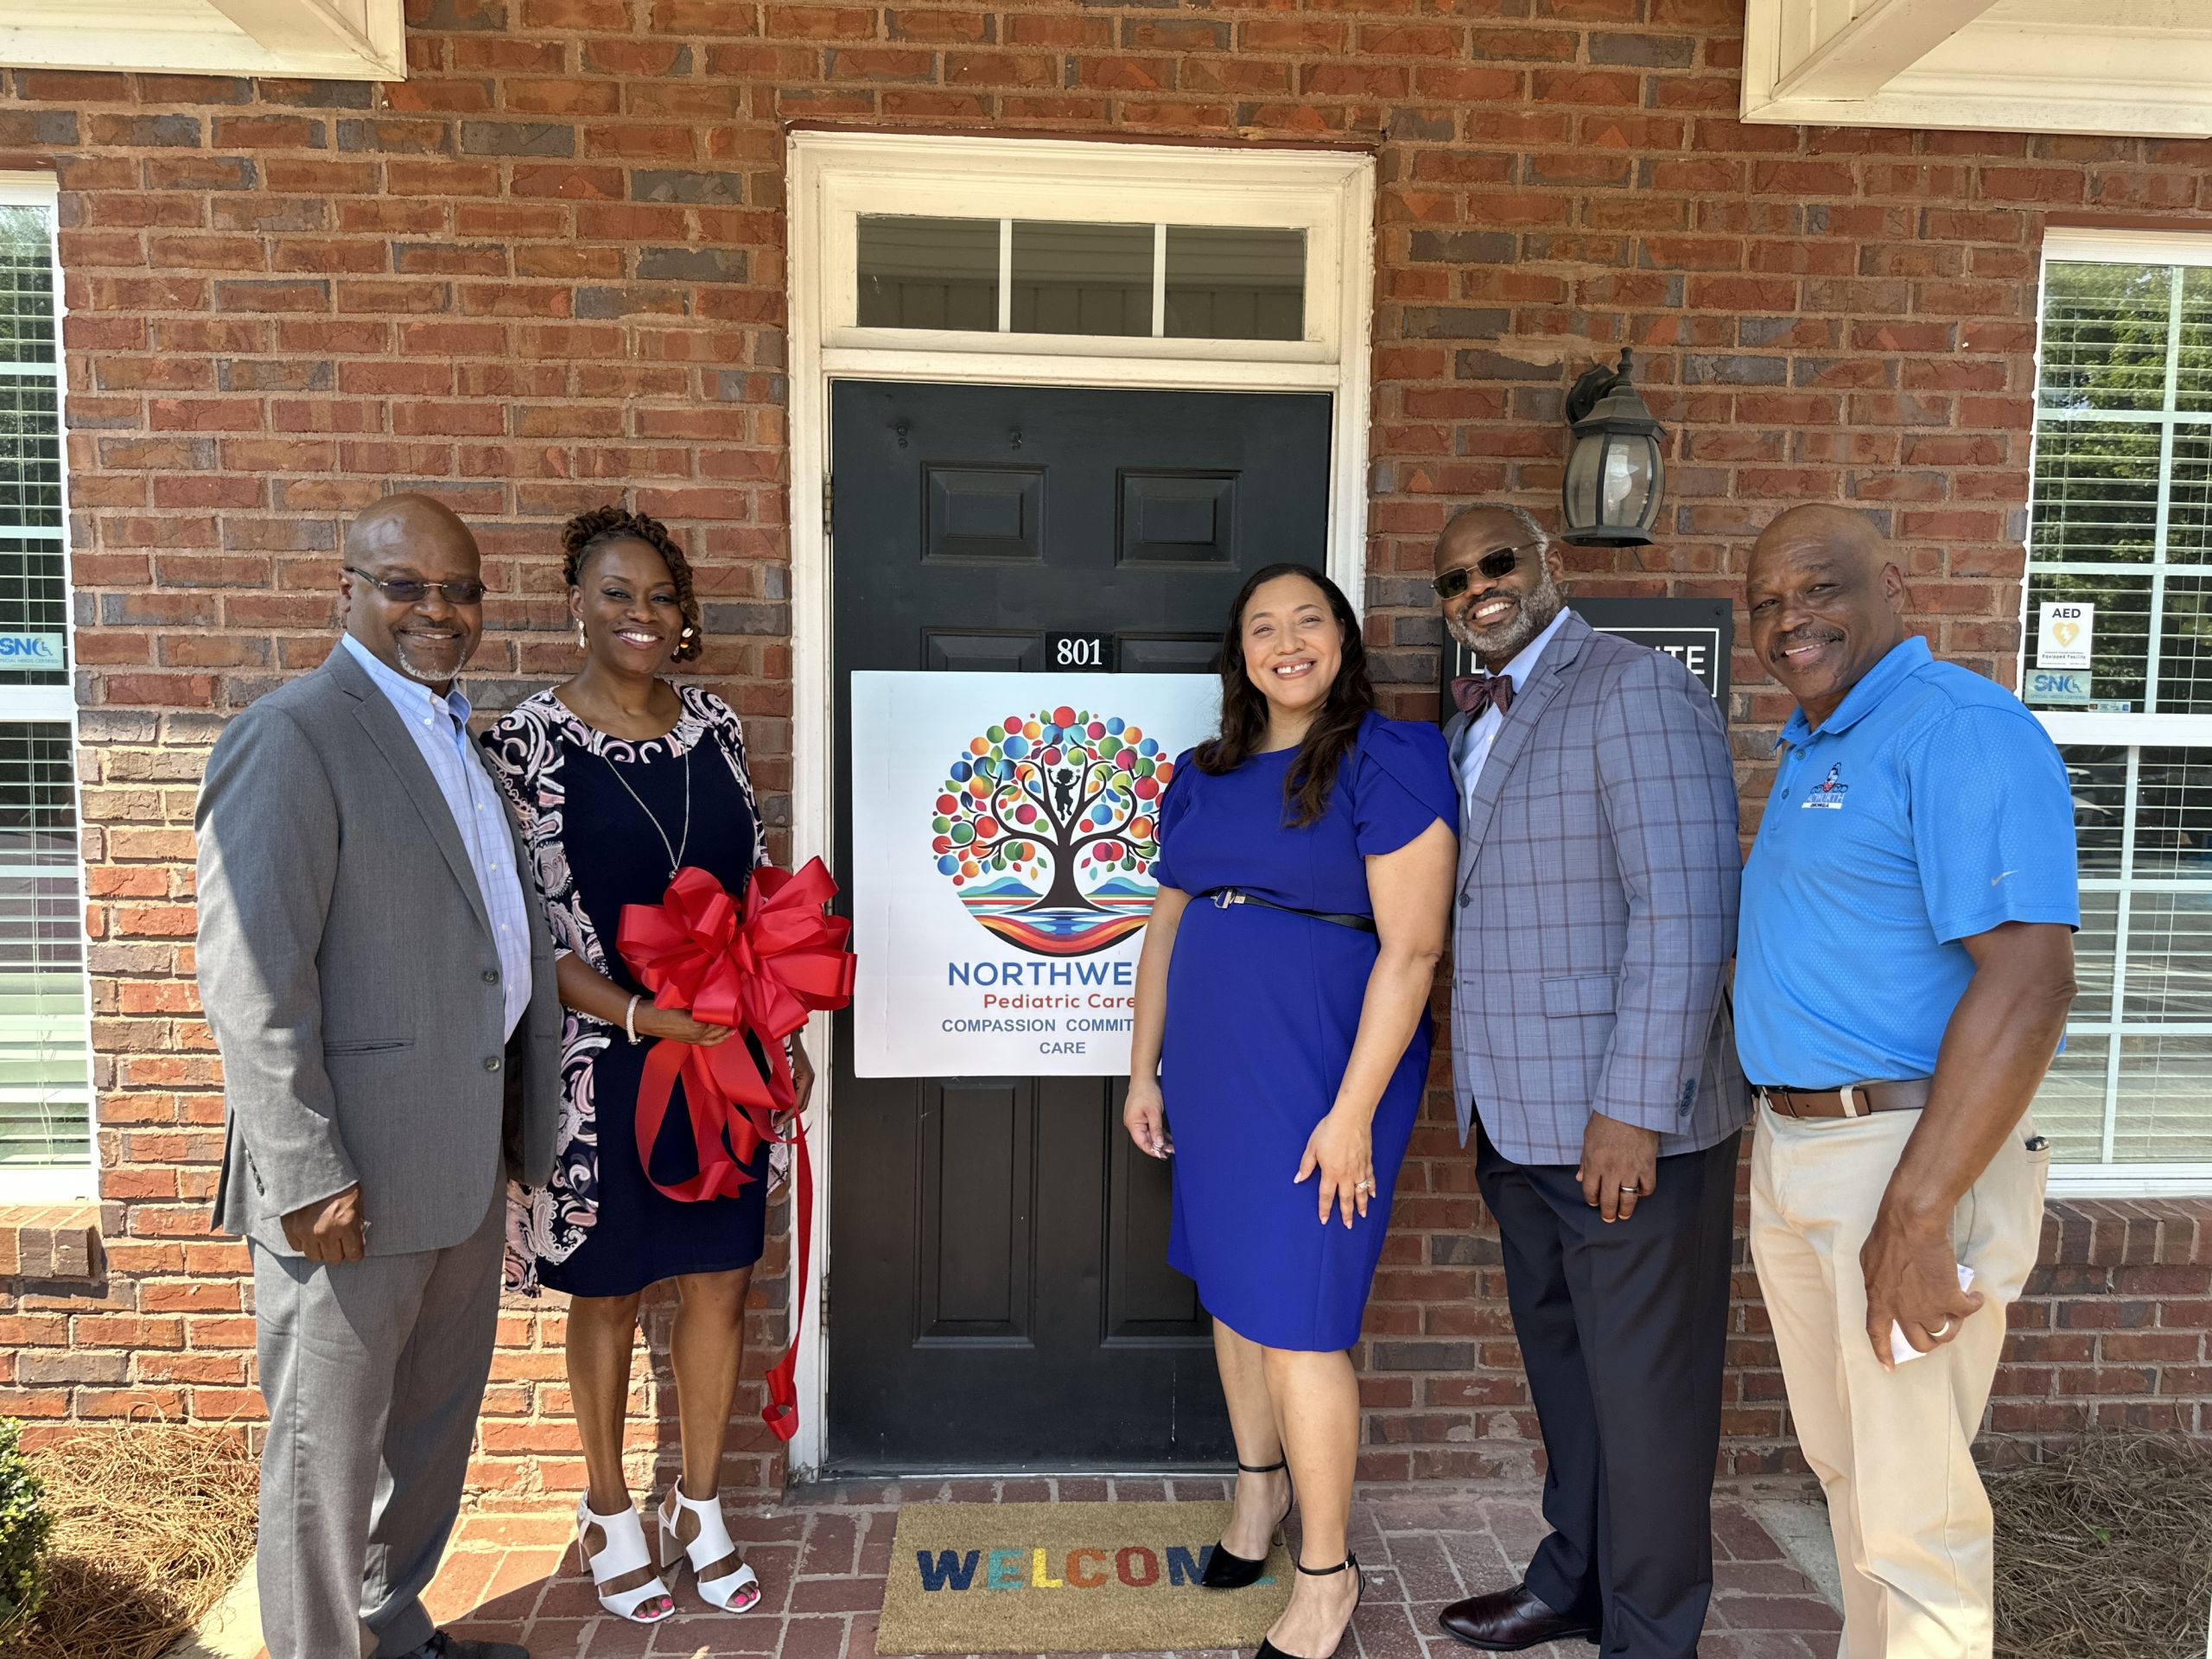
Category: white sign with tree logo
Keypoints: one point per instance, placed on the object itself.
(1004, 830)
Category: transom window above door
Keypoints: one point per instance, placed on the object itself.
(1071, 276)
(1147, 265)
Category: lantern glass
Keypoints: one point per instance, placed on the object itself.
(1613, 484)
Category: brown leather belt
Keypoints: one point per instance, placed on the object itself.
(1853, 1099)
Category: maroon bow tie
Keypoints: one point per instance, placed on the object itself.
(1475, 692)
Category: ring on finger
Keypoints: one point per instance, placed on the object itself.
(1941, 1331)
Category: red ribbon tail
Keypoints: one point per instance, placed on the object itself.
(781, 1413)
(719, 1174)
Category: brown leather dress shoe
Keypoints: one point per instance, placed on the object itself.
(1506, 1621)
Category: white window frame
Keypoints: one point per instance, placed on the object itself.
(2134, 732)
(832, 178)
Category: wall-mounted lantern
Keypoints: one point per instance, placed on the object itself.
(1615, 473)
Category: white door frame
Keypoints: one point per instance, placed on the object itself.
(834, 176)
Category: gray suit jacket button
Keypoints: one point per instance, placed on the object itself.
(491, 976)
(492, 1063)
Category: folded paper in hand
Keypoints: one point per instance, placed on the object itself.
(1902, 1351)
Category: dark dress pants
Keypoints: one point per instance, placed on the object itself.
(1622, 1332)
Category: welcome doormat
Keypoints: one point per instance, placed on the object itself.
(1068, 1578)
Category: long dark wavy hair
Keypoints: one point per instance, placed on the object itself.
(1313, 771)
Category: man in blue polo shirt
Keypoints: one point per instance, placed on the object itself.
(1904, 963)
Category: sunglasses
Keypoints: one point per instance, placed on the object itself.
(1502, 562)
(412, 590)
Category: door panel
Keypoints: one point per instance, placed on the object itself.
(1177, 518)
(984, 653)
(1147, 1300)
(979, 1210)
(979, 513)
(997, 1248)
(1168, 653)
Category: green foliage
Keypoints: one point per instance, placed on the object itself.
(2107, 335)
(26, 285)
(24, 1526)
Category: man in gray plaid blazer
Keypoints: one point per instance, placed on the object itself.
(1596, 914)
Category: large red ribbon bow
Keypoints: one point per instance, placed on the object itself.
(760, 969)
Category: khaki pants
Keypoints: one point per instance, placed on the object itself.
(1893, 1449)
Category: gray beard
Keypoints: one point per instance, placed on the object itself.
(424, 673)
(1530, 618)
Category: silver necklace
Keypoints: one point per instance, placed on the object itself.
(675, 853)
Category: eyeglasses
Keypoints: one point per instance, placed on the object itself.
(412, 590)
(1453, 583)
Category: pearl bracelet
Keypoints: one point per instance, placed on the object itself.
(629, 1019)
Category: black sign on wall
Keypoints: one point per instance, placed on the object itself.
(1697, 632)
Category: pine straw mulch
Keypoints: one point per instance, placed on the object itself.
(152, 1523)
(2105, 1551)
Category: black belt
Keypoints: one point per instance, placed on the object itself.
(1224, 897)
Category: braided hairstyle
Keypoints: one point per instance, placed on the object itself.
(587, 532)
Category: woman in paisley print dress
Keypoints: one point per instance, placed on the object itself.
(620, 777)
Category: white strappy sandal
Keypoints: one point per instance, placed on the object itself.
(696, 1533)
(622, 1554)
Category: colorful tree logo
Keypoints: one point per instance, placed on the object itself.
(1047, 827)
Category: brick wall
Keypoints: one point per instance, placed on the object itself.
(547, 270)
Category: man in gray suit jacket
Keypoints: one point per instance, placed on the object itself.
(1596, 914)
(379, 976)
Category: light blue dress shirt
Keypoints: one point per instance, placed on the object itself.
(440, 728)
(1471, 753)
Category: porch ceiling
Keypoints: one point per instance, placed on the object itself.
(329, 40)
(2121, 66)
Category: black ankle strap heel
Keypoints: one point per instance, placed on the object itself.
(1350, 1563)
(1225, 1571)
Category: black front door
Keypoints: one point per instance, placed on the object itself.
(997, 1249)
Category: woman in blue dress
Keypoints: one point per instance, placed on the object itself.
(1281, 1040)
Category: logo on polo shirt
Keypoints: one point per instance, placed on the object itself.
(1829, 791)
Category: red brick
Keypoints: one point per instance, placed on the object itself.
(1585, 87)
(1300, 35)
(822, 22)
(1000, 69)
(2053, 184)
(1032, 30)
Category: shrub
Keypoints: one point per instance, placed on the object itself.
(24, 1525)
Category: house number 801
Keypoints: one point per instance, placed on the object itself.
(1079, 651)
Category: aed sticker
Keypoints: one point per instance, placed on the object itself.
(2064, 633)
(2055, 685)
